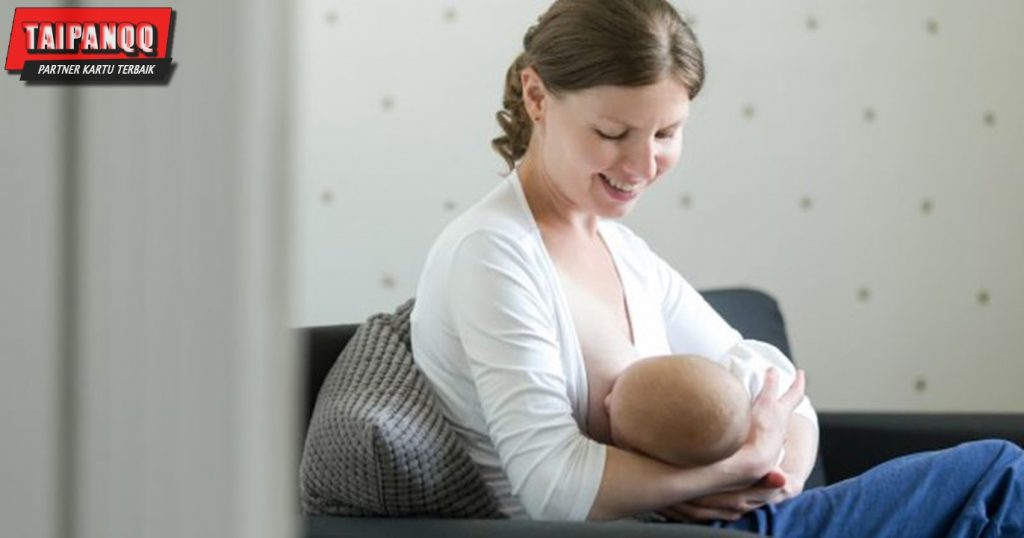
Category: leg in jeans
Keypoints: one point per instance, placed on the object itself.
(975, 489)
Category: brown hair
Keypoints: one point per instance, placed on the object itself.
(681, 409)
(579, 44)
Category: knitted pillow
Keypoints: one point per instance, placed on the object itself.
(377, 443)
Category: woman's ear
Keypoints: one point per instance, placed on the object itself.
(535, 94)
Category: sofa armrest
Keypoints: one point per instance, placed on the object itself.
(338, 527)
(852, 443)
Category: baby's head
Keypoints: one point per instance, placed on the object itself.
(681, 409)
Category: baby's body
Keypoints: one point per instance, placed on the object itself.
(682, 409)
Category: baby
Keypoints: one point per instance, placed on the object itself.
(684, 410)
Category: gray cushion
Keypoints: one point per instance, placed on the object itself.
(377, 443)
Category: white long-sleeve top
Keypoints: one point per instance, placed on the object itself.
(493, 333)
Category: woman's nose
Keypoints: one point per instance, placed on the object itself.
(641, 161)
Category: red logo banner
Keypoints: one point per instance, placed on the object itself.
(91, 44)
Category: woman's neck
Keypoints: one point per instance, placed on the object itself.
(552, 210)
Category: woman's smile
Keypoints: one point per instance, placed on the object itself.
(618, 190)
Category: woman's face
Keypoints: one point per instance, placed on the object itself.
(602, 147)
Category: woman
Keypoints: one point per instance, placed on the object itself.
(523, 295)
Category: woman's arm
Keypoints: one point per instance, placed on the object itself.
(801, 451)
(634, 484)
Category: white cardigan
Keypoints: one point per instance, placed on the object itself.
(492, 332)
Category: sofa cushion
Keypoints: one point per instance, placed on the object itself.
(377, 443)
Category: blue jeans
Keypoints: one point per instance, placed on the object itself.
(975, 489)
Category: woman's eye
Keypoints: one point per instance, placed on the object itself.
(607, 136)
(666, 134)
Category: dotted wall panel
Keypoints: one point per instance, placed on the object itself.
(861, 160)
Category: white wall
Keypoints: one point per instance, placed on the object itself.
(861, 160)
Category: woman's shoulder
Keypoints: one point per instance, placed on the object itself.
(499, 217)
(494, 237)
(497, 230)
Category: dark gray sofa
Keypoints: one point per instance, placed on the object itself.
(850, 442)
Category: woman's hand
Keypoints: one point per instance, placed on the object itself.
(769, 424)
(774, 487)
(755, 465)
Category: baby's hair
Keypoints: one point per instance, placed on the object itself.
(681, 409)
(580, 44)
